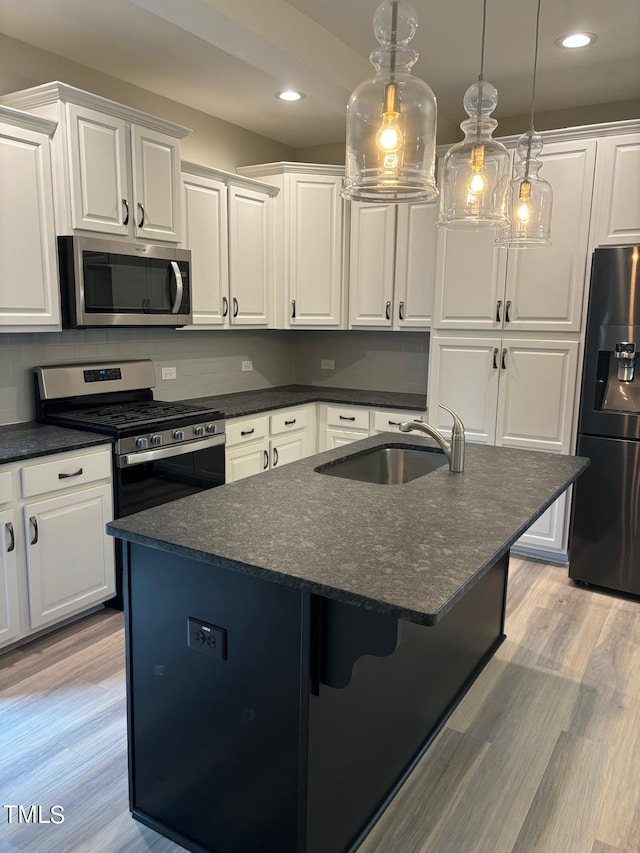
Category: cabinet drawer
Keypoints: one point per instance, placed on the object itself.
(65, 471)
(390, 421)
(6, 487)
(287, 421)
(248, 429)
(351, 418)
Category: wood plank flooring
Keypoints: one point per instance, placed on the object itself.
(543, 754)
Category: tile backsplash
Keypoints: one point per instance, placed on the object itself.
(210, 362)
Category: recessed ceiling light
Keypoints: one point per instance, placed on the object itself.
(576, 40)
(290, 95)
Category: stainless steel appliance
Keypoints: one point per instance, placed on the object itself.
(114, 283)
(161, 451)
(605, 532)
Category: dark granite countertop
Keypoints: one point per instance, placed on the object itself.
(411, 550)
(30, 440)
(252, 402)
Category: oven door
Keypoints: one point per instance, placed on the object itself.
(153, 477)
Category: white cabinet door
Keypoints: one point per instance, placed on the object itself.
(9, 600)
(548, 532)
(156, 184)
(537, 390)
(70, 560)
(100, 198)
(340, 437)
(415, 268)
(250, 257)
(616, 195)
(246, 460)
(469, 281)
(372, 264)
(287, 448)
(205, 234)
(29, 292)
(464, 375)
(544, 286)
(314, 253)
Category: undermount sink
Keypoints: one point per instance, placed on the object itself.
(388, 466)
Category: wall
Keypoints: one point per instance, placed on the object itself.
(213, 142)
(379, 361)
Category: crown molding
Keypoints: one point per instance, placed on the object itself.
(287, 167)
(227, 177)
(18, 118)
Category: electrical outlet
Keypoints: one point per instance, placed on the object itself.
(206, 638)
(247, 366)
(327, 364)
(169, 373)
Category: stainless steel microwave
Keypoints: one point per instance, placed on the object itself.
(113, 283)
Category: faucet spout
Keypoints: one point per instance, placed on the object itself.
(454, 451)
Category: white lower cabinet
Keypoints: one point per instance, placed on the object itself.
(270, 440)
(340, 425)
(56, 561)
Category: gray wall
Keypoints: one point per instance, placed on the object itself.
(210, 362)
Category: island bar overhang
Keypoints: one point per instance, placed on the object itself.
(298, 735)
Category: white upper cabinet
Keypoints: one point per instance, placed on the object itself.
(616, 194)
(116, 169)
(308, 243)
(250, 257)
(392, 265)
(29, 298)
(480, 286)
(228, 226)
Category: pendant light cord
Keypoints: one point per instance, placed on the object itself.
(484, 29)
(394, 39)
(533, 94)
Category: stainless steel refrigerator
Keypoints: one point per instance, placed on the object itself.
(604, 547)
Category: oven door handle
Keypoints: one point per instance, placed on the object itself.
(179, 286)
(127, 460)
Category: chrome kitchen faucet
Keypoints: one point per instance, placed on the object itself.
(453, 451)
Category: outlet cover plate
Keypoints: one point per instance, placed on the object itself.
(207, 638)
(169, 373)
(247, 366)
(327, 364)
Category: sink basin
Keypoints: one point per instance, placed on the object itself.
(388, 466)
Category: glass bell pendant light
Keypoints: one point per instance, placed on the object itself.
(531, 197)
(475, 172)
(391, 119)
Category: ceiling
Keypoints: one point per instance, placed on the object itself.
(229, 57)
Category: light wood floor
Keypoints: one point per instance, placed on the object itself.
(543, 754)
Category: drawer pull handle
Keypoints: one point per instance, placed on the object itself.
(507, 308)
(293, 309)
(266, 460)
(73, 474)
(345, 418)
(12, 543)
(34, 522)
(387, 311)
(498, 307)
(275, 456)
(401, 311)
(394, 423)
(495, 358)
(141, 209)
(247, 431)
(289, 423)
(125, 221)
(235, 307)
(225, 306)
(504, 358)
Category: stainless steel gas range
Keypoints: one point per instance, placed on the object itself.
(162, 451)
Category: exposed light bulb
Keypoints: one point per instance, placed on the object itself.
(389, 138)
(477, 183)
(523, 212)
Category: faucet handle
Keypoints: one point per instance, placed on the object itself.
(458, 426)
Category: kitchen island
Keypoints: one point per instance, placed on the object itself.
(296, 640)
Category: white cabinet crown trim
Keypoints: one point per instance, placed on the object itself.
(27, 121)
(287, 167)
(49, 93)
(202, 171)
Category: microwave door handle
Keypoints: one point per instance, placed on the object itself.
(179, 287)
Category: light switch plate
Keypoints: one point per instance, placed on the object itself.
(169, 373)
(327, 364)
(247, 366)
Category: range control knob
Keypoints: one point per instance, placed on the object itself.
(142, 443)
(156, 440)
(211, 428)
(178, 434)
(198, 430)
